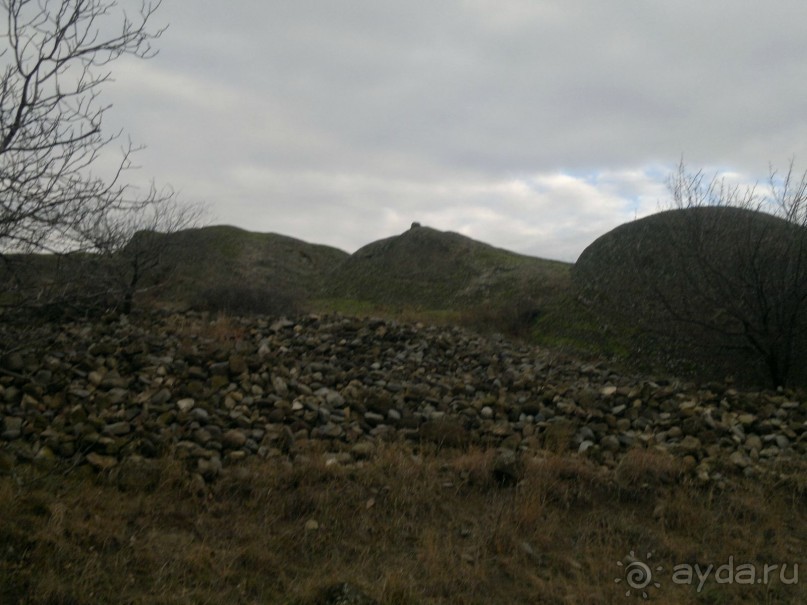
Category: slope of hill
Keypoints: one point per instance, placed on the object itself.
(430, 269)
(228, 257)
(725, 287)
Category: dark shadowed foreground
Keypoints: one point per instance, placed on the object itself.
(189, 458)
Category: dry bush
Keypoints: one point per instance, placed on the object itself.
(516, 318)
(445, 432)
(568, 480)
(224, 329)
(557, 436)
(792, 478)
(644, 471)
(475, 467)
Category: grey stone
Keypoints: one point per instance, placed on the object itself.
(118, 429)
(199, 414)
(585, 446)
(100, 462)
(14, 362)
(233, 439)
(161, 396)
(508, 468)
(209, 468)
(237, 365)
(373, 418)
(610, 443)
(689, 445)
(185, 405)
(782, 442)
(280, 386)
(739, 459)
(12, 428)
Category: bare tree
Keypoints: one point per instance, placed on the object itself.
(52, 192)
(55, 196)
(136, 247)
(723, 270)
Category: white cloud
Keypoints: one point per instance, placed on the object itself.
(547, 215)
(535, 126)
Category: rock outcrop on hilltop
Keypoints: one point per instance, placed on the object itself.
(216, 391)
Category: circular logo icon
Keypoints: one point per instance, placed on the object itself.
(638, 575)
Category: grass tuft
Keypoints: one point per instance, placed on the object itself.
(411, 524)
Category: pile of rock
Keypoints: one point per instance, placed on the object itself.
(213, 392)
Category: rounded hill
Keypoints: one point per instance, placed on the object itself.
(225, 258)
(728, 286)
(428, 268)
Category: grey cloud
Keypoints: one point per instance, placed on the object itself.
(320, 117)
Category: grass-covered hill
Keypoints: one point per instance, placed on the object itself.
(720, 286)
(432, 269)
(224, 261)
(421, 271)
(606, 305)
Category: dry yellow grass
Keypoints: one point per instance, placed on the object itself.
(410, 525)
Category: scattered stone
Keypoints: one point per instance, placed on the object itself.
(311, 525)
(585, 446)
(209, 468)
(237, 365)
(161, 396)
(101, 463)
(142, 388)
(739, 459)
(12, 428)
(45, 458)
(234, 439)
(373, 418)
(185, 405)
(14, 362)
(689, 445)
(118, 429)
(508, 468)
(746, 419)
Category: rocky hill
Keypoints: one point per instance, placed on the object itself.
(427, 268)
(113, 395)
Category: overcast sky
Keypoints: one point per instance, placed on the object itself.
(534, 125)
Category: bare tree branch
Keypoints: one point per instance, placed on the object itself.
(51, 115)
(725, 264)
